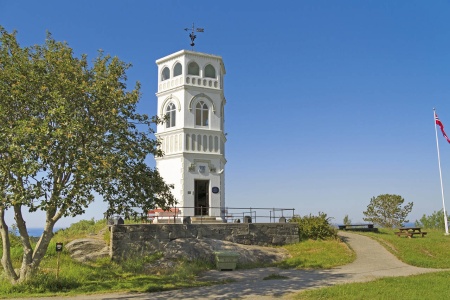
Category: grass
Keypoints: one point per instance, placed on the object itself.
(105, 276)
(428, 252)
(317, 254)
(98, 277)
(133, 276)
(80, 230)
(418, 287)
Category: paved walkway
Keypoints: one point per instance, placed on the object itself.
(373, 261)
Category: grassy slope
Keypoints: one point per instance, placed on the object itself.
(318, 254)
(428, 252)
(105, 276)
(431, 251)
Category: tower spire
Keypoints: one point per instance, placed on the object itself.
(192, 35)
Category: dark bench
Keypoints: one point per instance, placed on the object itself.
(358, 227)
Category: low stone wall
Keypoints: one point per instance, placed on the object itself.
(143, 239)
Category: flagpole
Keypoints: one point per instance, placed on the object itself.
(440, 173)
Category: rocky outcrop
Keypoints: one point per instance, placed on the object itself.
(191, 249)
(204, 249)
(176, 246)
(136, 240)
(87, 249)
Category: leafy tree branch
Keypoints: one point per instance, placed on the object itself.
(69, 131)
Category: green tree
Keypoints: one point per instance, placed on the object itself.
(386, 211)
(347, 220)
(69, 131)
(433, 221)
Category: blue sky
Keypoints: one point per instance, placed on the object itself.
(329, 103)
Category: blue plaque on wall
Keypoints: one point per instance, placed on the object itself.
(215, 189)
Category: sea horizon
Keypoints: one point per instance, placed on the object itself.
(37, 231)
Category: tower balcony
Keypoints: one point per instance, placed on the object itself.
(192, 141)
(190, 80)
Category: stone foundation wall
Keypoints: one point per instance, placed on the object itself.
(144, 239)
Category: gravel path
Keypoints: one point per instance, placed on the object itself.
(372, 261)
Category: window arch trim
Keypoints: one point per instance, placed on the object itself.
(203, 97)
(166, 101)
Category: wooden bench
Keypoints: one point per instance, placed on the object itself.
(410, 232)
(358, 227)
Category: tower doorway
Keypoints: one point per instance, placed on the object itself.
(201, 202)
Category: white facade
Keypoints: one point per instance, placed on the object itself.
(190, 93)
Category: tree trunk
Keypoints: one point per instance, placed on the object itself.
(39, 252)
(30, 259)
(6, 244)
(25, 239)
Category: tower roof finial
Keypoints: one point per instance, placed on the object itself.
(192, 36)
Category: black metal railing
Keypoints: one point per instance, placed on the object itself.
(178, 214)
(187, 214)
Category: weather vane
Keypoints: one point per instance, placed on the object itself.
(192, 35)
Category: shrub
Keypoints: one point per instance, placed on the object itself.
(315, 227)
(433, 221)
(80, 229)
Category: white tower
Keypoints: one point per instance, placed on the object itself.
(190, 95)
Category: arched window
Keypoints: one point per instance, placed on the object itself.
(210, 72)
(165, 74)
(193, 69)
(170, 115)
(177, 70)
(201, 114)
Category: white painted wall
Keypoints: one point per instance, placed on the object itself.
(189, 147)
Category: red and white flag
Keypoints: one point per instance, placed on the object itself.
(438, 122)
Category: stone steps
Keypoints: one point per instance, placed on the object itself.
(194, 220)
(206, 220)
(169, 220)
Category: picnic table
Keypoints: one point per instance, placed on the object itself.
(410, 232)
